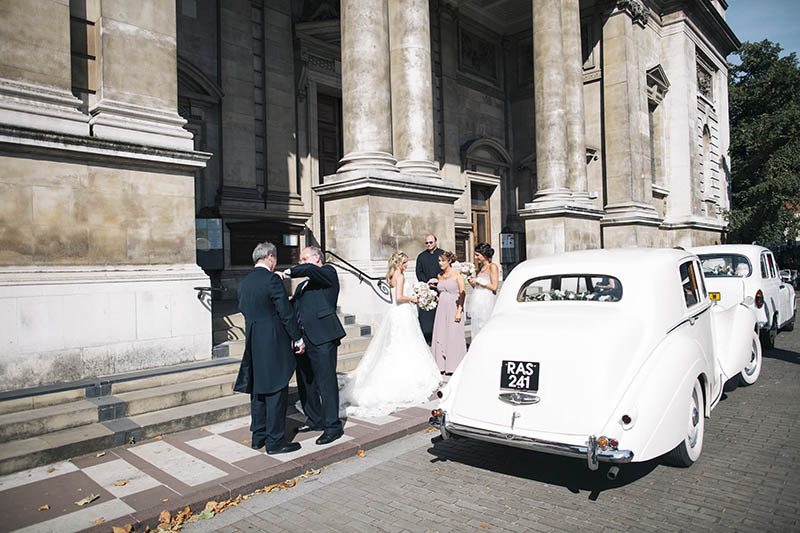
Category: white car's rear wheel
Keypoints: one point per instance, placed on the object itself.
(750, 373)
(688, 451)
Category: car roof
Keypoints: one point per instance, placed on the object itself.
(744, 249)
(651, 284)
(611, 261)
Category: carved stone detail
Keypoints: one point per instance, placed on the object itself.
(635, 8)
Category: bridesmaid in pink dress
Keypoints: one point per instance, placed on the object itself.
(449, 343)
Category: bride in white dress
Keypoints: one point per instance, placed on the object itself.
(397, 370)
(484, 286)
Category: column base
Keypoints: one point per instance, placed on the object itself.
(368, 160)
(419, 167)
(29, 106)
(554, 234)
(118, 121)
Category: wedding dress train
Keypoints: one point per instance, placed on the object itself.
(396, 371)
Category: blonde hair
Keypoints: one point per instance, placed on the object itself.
(397, 258)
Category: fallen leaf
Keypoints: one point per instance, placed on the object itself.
(98, 521)
(288, 484)
(89, 499)
(51, 469)
(362, 453)
(165, 500)
(207, 514)
(245, 497)
(164, 516)
(101, 454)
(158, 438)
(121, 483)
(210, 505)
(486, 526)
(202, 429)
(245, 441)
(127, 528)
(44, 507)
(431, 430)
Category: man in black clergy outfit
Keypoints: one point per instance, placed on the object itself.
(315, 301)
(427, 269)
(268, 361)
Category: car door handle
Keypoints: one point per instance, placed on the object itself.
(692, 321)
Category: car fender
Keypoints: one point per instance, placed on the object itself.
(656, 400)
(733, 332)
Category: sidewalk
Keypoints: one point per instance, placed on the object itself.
(136, 483)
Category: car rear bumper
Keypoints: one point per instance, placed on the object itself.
(589, 451)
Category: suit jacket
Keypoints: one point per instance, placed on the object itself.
(315, 302)
(270, 325)
(428, 265)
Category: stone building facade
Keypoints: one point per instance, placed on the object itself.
(139, 140)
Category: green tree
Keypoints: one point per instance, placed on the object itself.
(764, 92)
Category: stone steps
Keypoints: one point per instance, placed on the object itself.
(39, 427)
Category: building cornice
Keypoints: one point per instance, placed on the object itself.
(380, 182)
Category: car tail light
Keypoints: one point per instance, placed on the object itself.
(759, 299)
(607, 443)
(436, 412)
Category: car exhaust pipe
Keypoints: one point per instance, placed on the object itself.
(612, 473)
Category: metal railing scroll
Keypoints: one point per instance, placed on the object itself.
(377, 284)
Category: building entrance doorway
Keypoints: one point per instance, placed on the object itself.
(481, 214)
(329, 145)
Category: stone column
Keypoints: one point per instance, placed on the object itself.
(366, 90)
(412, 98)
(550, 106)
(573, 96)
(137, 98)
(630, 217)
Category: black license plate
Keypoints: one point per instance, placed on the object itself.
(519, 375)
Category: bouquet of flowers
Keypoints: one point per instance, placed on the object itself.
(466, 268)
(426, 298)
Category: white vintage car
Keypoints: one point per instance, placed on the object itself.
(609, 355)
(747, 272)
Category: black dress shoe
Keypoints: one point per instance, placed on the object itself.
(327, 438)
(306, 428)
(257, 445)
(285, 448)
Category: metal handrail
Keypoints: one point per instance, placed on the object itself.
(379, 282)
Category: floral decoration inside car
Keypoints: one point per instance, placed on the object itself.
(426, 297)
(577, 287)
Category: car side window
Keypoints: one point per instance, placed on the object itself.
(772, 269)
(691, 292)
(764, 267)
(701, 281)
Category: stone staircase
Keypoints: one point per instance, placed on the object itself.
(48, 424)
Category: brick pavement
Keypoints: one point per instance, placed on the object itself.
(746, 480)
(135, 483)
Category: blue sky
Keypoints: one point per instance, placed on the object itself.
(776, 20)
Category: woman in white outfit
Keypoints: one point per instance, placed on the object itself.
(485, 285)
(397, 370)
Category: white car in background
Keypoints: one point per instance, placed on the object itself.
(612, 356)
(749, 273)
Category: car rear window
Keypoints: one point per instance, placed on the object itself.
(588, 287)
(725, 265)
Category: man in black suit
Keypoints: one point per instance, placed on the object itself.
(315, 302)
(268, 360)
(428, 269)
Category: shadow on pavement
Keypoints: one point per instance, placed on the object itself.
(783, 355)
(573, 474)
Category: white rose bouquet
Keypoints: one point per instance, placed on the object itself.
(427, 299)
(466, 268)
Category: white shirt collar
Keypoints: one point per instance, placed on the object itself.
(260, 265)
